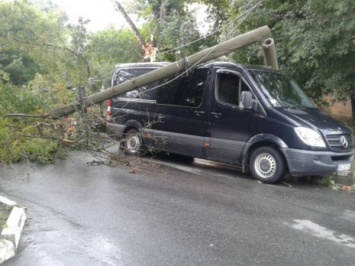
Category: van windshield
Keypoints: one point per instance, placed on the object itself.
(280, 90)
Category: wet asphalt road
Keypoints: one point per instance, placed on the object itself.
(165, 212)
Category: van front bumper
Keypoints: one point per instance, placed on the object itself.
(301, 162)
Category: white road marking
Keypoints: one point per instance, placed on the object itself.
(316, 230)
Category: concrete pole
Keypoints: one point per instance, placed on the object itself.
(270, 57)
(164, 72)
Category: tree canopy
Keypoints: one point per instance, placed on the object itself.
(40, 40)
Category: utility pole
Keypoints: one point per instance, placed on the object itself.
(270, 57)
(166, 71)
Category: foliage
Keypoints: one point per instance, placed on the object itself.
(18, 66)
(112, 46)
(47, 37)
(171, 25)
(158, 9)
(14, 143)
(179, 34)
(219, 11)
(37, 41)
(108, 48)
(14, 147)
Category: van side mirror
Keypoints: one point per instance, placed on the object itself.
(247, 100)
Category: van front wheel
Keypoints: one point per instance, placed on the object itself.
(132, 143)
(267, 165)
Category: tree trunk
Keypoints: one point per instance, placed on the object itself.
(131, 24)
(162, 11)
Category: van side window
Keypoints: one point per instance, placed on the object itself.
(194, 88)
(228, 90)
(167, 93)
(185, 90)
(145, 92)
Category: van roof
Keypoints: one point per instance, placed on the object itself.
(245, 66)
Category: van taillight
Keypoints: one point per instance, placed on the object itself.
(108, 112)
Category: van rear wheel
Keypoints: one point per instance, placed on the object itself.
(267, 165)
(133, 144)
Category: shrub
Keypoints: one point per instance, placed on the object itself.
(20, 138)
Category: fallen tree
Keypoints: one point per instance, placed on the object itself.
(185, 63)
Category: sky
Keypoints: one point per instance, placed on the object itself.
(101, 13)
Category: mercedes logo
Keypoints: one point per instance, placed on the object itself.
(344, 142)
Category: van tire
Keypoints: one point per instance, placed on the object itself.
(267, 165)
(132, 144)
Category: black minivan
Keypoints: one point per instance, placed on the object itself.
(250, 116)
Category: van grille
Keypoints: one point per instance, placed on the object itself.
(337, 142)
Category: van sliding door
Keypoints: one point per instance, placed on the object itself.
(181, 110)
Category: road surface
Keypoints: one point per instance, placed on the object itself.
(166, 212)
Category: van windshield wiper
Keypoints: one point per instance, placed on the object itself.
(298, 107)
(310, 108)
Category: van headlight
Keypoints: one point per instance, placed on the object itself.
(310, 137)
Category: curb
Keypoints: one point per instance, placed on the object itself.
(11, 234)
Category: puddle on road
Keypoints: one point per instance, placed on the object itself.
(57, 248)
(319, 231)
(101, 248)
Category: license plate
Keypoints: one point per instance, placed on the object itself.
(343, 167)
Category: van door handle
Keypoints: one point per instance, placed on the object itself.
(198, 113)
(216, 115)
